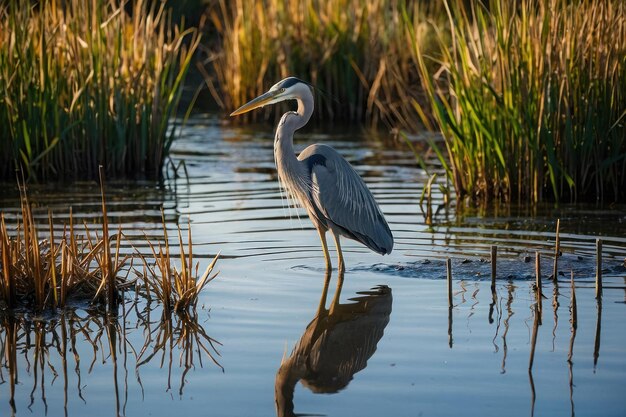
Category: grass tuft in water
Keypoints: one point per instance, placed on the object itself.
(86, 84)
(87, 266)
(47, 273)
(177, 288)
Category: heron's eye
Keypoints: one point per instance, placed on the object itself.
(282, 90)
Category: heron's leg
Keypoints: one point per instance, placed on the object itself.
(322, 234)
(335, 301)
(342, 266)
(322, 304)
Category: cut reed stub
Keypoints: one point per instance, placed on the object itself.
(538, 288)
(449, 279)
(494, 261)
(574, 306)
(598, 268)
(557, 249)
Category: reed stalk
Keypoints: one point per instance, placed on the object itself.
(538, 284)
(494, 265)
(176, 289)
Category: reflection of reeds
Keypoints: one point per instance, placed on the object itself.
(42, 344)
(180, 332)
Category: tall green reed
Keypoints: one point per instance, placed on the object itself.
(86, 83)
(531, 99)
(355, 51)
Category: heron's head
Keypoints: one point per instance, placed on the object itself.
(290, 88)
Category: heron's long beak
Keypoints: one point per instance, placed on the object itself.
(260, 101)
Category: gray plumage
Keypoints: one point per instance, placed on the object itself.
(322, 181)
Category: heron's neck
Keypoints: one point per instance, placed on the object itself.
(289, 123)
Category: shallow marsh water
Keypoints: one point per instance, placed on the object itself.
(387, 345)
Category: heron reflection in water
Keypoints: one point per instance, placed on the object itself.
(322, 181)
(335, 345)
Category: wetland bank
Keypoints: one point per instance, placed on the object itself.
(273, 333)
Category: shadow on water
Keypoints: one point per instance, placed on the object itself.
(41, 350)
(336, 344)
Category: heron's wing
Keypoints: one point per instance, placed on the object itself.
(340, 194)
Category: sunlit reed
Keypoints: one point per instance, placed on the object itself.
(85, 83)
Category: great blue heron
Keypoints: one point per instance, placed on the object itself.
(334, 196)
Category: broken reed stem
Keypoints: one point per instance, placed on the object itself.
(494, 260)
(598, 268)
(107, 273)
(556, 251)
(53, 261)
(449, 277)
(573, 303)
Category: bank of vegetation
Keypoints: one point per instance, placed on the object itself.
(530, 97)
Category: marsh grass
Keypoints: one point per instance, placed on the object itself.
(86, 84)
(531, 99)
(356, 52)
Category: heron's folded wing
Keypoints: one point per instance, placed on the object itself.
(342, 196)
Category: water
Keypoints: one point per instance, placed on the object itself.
(270, 337)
